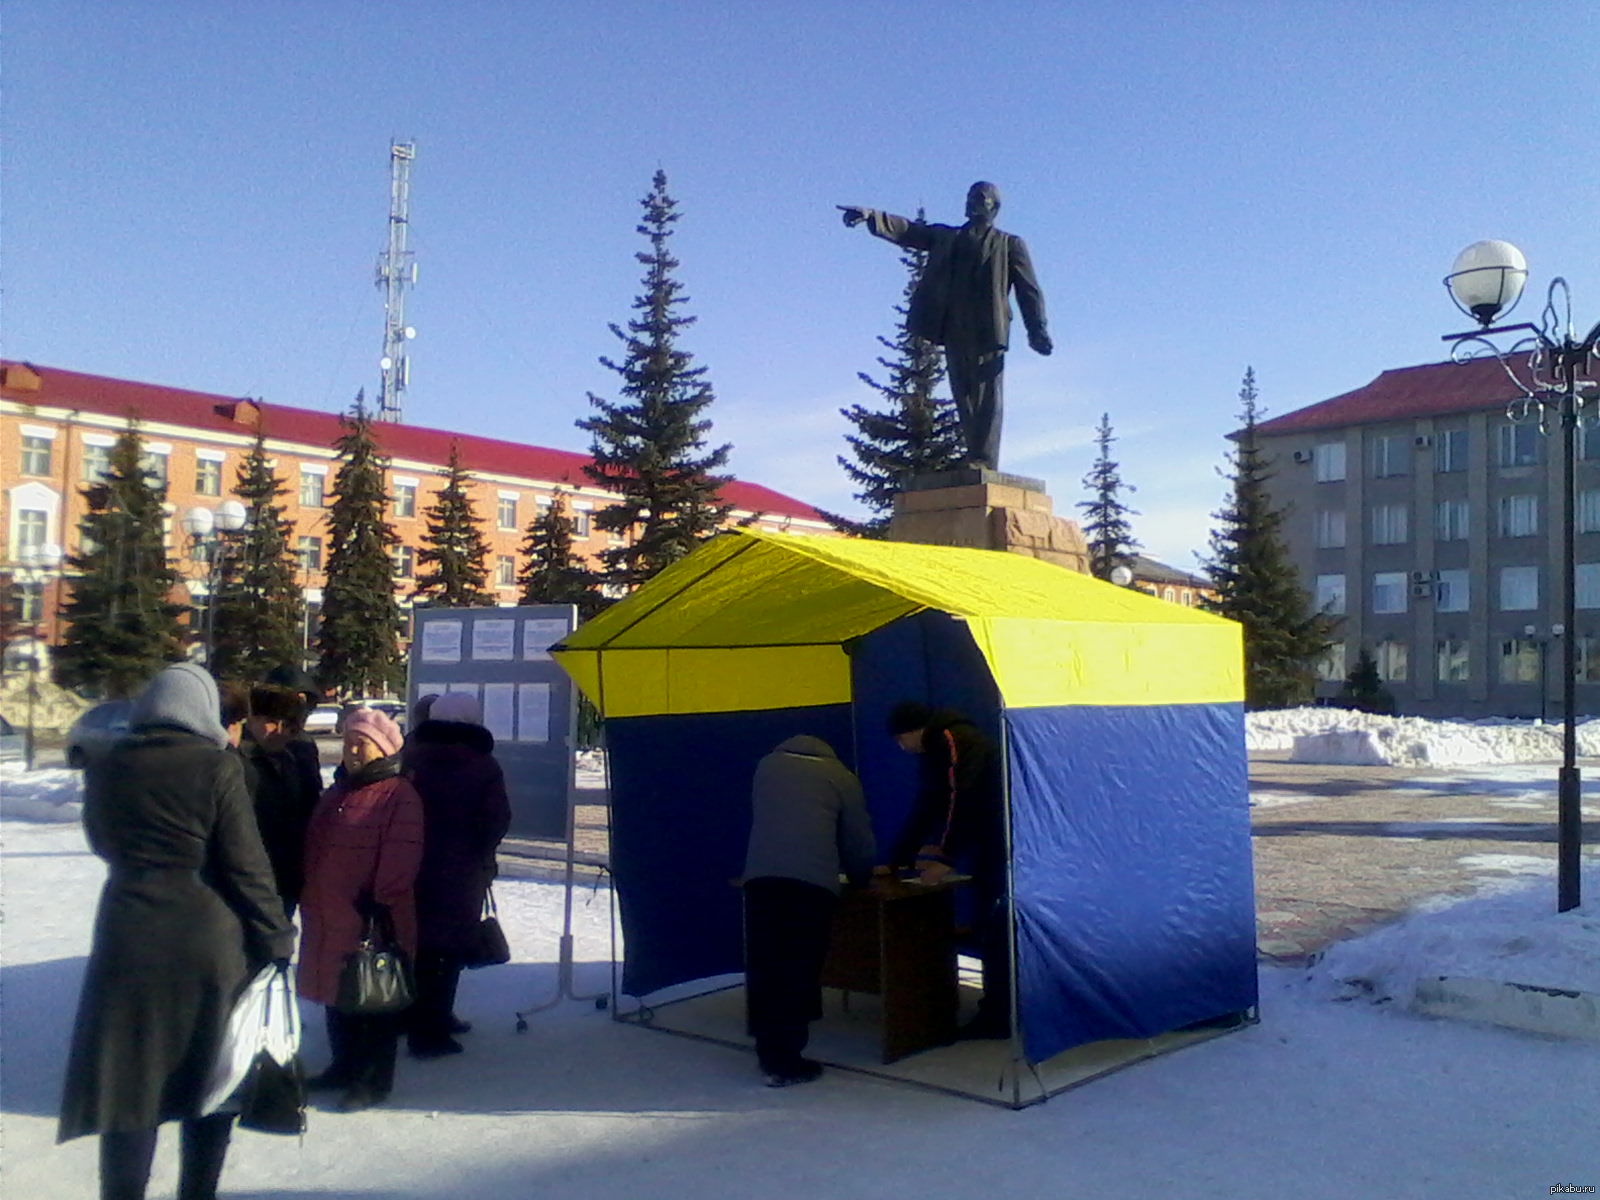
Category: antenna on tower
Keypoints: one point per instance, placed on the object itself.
(397, 271)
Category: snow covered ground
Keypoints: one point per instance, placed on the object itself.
(1337, 735)
(1322, 1099)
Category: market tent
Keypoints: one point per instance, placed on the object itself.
(1120, 717)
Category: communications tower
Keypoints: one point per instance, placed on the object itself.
(397, 272)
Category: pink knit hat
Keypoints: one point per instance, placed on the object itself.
(377, 727)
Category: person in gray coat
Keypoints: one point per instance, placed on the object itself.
(809, 826)
(187, 916)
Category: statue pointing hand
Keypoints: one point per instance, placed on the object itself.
(963, 303)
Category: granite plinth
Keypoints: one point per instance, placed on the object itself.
(988, 510)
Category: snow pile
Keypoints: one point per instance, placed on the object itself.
(1509, 931)
(54, 795)
(1343, 736)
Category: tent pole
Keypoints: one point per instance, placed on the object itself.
(1011, 906)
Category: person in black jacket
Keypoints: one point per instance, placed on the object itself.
(299, 745)
(187, 916)
(959, 820)
(283, 790)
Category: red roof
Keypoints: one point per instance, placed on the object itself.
(1430, 390)
(202, 410)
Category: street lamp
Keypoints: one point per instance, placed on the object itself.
(210, 544)
(1558, 373)
(38, 564)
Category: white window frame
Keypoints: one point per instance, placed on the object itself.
(1331, 596)
(1330, 667)
(1519, 515)
(1391, 455)
(1452, 520)
(1452, 591)
(1586, 583)
(1450, 451)
(1390, 524)
(1519, 589)
(1389, 591)
(1452, 660)
(1329, 458)
(1394, 661)
(505, 570)
(1330, 529)
(1517, 444)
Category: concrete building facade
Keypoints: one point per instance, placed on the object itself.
(57, 428)
(1425, 515)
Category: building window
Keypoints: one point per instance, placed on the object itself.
(1588, 660)
(582, 524)
(506, 513)
(33, 528)
(1389, 592)
(1519, 445)
(1519, 661)
(1450, 450)
(30, 603)
(1519, 589)
(36, 455)
(309, 551)
(313, 488)
(1389, 525)
(505, 571)
(1450, 520)
(1330, 529)
(405, 562)
(154, 464)
(1519, 516)
(1589, 512)
(1588, 441)
(405, 499)
(1330, 594)
(1451, 657)
(96, 463)
(1330, 667)
(1392, 662)
(1329, 458)
(208, 477)
(1586, 583)
(1451, 592)
(1391, 455)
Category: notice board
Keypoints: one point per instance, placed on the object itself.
(501, 657)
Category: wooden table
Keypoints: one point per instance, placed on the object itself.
(897, 940)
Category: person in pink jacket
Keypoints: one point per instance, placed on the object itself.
(363, 848)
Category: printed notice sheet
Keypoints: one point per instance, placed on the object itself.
(537, 638)
(470, 688)
(499, 712)
(441, 642)
(492, 640)
(533, 712)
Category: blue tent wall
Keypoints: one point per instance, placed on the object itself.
(1132, 871)
(680, 822)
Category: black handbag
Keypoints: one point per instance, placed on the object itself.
(272, 1098)
(377, 977)
(488, 946)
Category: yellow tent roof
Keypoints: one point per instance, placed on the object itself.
(756, 620)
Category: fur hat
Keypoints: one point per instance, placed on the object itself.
(457, 706)
(376, 727)
(183, 696)
(276, 703)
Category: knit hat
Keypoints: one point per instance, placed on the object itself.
(907, 716)
(457, 706)
(183, 696)
(376, 727)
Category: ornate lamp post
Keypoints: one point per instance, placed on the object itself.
(1557, 373)
(38, 565)
(209, 544)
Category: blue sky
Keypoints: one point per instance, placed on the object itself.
(195, 192)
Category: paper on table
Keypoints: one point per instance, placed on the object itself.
(538, 636)
(533, 712)
(492, 640)
(441, 641)
(499, 710)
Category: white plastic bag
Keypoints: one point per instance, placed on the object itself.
(264, 1018)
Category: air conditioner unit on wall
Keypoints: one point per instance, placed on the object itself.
(1421, 591)
(1424, 576)
(1302, 456)
(1422, 441)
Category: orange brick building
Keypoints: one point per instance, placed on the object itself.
(57, 429)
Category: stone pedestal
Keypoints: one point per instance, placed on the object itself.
(987, 510)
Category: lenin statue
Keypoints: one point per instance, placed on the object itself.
(963, 303)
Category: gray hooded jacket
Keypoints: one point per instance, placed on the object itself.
(182, 696)
(810, 818)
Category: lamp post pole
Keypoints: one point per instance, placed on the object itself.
(39, 564)
(209, 534)
(1559, 374)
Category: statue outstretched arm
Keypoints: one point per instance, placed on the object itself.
(1030, 297)
(900, 230)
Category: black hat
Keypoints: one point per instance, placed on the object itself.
(276, 703)
(296, 679)
(907, 716)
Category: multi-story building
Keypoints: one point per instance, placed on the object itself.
(1425, 514)
(57, 429)
(1169, 583)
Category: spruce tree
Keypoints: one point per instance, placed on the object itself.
(122, 626)
(453, 553)
(1106, 527)
(359, 645)
(649, 447)
(1363, 687)
(260, 613)
(553, 574)
(1256, 582)
(910, 432)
